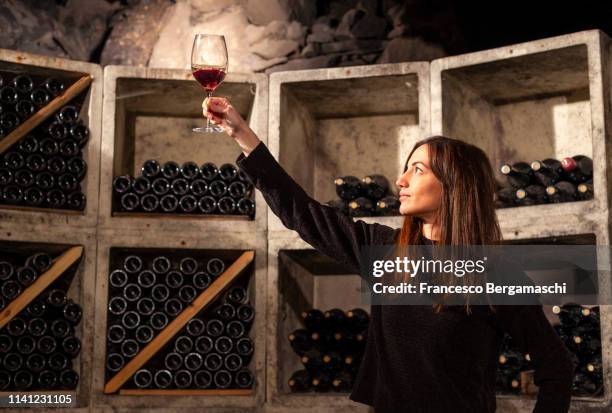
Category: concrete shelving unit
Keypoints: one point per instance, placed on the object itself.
(149, 114)
(91, 114)
(30, 239)
(110, 238)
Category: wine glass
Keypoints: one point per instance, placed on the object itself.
(209, 66)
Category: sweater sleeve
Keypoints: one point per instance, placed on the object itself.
(554, 369)
(324, 228)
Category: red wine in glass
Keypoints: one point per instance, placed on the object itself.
(209, 77)
(209, 67)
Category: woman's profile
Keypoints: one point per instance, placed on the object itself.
(418, 358)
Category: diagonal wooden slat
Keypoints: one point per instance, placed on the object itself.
(200, 302)
(61, 264)
(37, 118)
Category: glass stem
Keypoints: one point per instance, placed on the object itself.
(208, 126)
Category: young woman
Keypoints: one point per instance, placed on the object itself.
(418, 358)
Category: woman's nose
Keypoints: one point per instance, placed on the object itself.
(402, 181)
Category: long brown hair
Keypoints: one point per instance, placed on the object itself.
(467, 212)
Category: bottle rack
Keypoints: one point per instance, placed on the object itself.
(246, 256)
(302, 279)
(75, 260)
(149, 114)
(83, 80)
(546, 98)
(361, 120)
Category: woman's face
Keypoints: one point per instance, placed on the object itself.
(420, 191)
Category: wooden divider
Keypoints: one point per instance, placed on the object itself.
(201, 301)
(37, 118)
(58, 267)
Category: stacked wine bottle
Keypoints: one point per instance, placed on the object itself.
(44, 168)
(546, 181)
(369, 196)
(511, 363)
(579, 330)
(38, 345)
(213, 351)
(330, 348)
(145, 296)
(187, 188)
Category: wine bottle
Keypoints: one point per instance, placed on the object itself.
(72, 312)
(149, 202)
(207, 204)
(562, 191)
(69, 148)
(35, 362)
(6, 343)
(40, 97)
(209, 171)
(348, 187)
(46, 344)
(180, 186)
(12, 194)
(225, 312)
(118, 278)
(29, 144)
(188, 265)
(14, 160)
(160, 265)
(122, 184)
(313, 319)
(235, 329)
(33, 197)
(300, 381)
(36, 327)
(145, 306)
(222, 379)
(146, 279)
(12, 361)
(170, 170)
(244, 378)
(217, 188)
(223, 345)
(160, 186)
(150, 169)
(117, 305)
(361, 207)
(173, 307)
(24, 109)
(375, 186)
(245, 347)
(387, 206)
(9, 95)
(23, 83)
(215, 267)
(321, 381)
(57, 131)
(213, 362)
(130, 319)
(183, 379)
(312, 360)
(6, 177)
(202, 379)
(215, 327)
(188, 203)
(71, 346)
(68, 114)
(163, 379)
(245, 206)
(160, 293)
(79, 133)
(26, 275)
(245, 313)
(158, 320)
(141, 185)
(143, 378)
(193, 361)
(9, 121)
(115, 362)
(547, 171)
(60, 328)
(187, 294)
(54, 86)
(578, 168)
(173, 361)
(204, 344)
(174, 279)
(25, 345)
(46, 379)
(237, 190)
(56, 165)
(48, 147)
(570, 314)
(195, 327)
(24, 178)
(67, 182)
(357, 320)
(228, 172)
(57, 362)
(116, 334)
(16, 327)
(342, 382)
(518, 175)
(132, 264)
(10, 290)
(232, 362)
(198, 187)
(23, 380)
(190, 170)
(40, 261)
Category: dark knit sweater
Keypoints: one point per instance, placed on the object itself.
(417, 360)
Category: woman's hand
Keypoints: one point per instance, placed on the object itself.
(222, 113)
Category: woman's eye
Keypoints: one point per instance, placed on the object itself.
(418, 170)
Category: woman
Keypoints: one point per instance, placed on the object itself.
(419, 358)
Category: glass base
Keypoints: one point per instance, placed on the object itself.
(209, 129)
